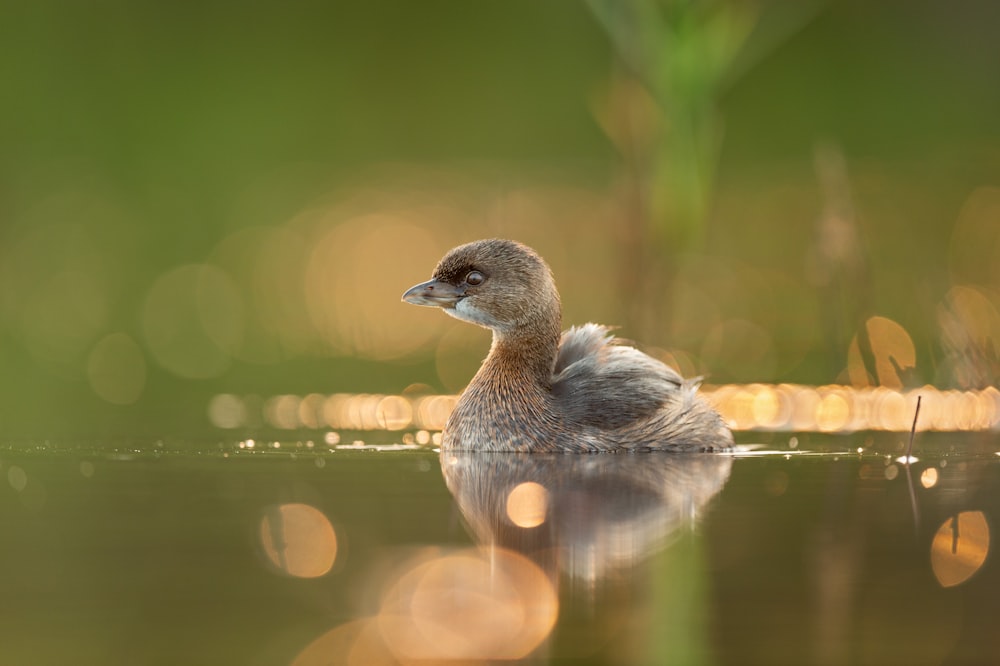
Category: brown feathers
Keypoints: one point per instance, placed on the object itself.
(539, 391)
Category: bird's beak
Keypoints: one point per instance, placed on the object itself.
(434, 293)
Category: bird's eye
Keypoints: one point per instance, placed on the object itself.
(474, 278)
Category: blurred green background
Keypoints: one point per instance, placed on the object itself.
(216, 197)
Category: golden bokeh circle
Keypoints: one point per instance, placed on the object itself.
(960, 547)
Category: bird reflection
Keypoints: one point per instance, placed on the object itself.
(586, 516)
(540, 520)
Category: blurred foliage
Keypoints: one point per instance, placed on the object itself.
(200, 199)
(677, 58)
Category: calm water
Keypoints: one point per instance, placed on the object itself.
(183, 554)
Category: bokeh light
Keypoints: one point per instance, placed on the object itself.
(528, 504)
(892, 411)
(298, 540)
(433, 411)
(394, 412)
(250, 241)
(311, 286)
(353, 284)
(781, 407)
(847, 409)
(311, 411)
(891, 349)
(773, 406)
(282, 411)
(357, 643)
(833, 411)
(472, 604)
(929, 477)
(227, 411)
(960, 547)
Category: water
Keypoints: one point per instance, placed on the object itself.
(174, 553)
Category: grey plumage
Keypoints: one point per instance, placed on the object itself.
(602, 383)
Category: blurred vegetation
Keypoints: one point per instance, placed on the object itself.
(677, 59)
(205, 199)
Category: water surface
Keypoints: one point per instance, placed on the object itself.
(805, 550)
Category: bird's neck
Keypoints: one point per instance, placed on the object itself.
(524, 357)
(509, 399)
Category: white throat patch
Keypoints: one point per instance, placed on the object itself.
(467, 312)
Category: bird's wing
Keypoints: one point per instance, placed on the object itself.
(602, 383)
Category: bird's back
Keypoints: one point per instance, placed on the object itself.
(614, 391)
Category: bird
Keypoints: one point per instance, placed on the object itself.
(541, 390)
